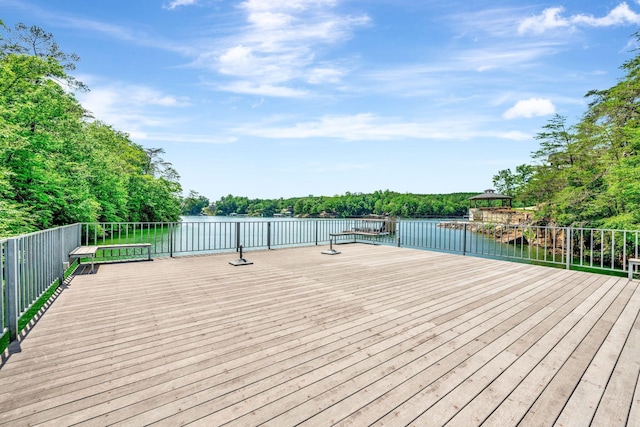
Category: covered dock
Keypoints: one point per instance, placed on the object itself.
(377, 335)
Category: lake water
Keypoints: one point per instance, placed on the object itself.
(203, 233)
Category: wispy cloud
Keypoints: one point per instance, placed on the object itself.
(494, 22)
(183, 137)
(372, 127)
(148, 115)
(131, 107)
(553, 18)
(178, 3)
(255, 88)
(280, 46)
(505, 56)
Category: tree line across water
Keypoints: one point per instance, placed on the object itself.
(340, 206)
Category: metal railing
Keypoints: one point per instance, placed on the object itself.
(31, 265)
(605, 250)
(182, 238)
(599, 249)
(4, 326)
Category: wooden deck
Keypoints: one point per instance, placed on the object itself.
(377, 335)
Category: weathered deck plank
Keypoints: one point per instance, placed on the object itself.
(377, 334)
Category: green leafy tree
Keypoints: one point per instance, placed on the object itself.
(194, 204)
(57, 165)
(514, 183)
(588, 174)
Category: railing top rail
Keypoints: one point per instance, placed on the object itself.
(616, 230)
(36, 233)
(129, 223)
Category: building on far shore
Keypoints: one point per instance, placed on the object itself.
(495, 208)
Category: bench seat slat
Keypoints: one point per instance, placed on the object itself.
(125, 246)
(82, 251)
(90, 251)
(358, 233)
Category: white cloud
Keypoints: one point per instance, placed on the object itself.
(131, 107)
(371, 127)
(252, 88)
(552, 18)
(505, 56)
(548, 19)
(324, 74)
(515, 135)
(531, 107)
(144, 113)
(178, 3)
(183, 138)
(620, 15)
(268, 5)
(128, 34)
(281, 46)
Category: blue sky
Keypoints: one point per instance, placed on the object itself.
(286, 98)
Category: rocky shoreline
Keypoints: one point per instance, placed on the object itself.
(511, 234)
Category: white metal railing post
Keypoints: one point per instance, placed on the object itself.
(568, 249)
(12, 279)
(61, 249)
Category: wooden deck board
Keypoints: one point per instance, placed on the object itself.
(487, 325)
(527, 320)
(377, 334)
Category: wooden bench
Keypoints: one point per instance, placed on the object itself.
(90, 251)
(631, 264)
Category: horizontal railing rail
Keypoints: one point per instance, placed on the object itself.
(33, 265)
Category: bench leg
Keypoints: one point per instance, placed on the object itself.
(631, 268)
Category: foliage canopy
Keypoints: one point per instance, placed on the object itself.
(57, 164)
(587, 174)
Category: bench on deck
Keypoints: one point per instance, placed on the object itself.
(90, 251)
(356, 233)
(632, 263)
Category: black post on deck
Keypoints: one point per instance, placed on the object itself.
(171, 230)
(268, 236)
(464, 240)
(331, 251)
(240, 260)
(238, 236)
